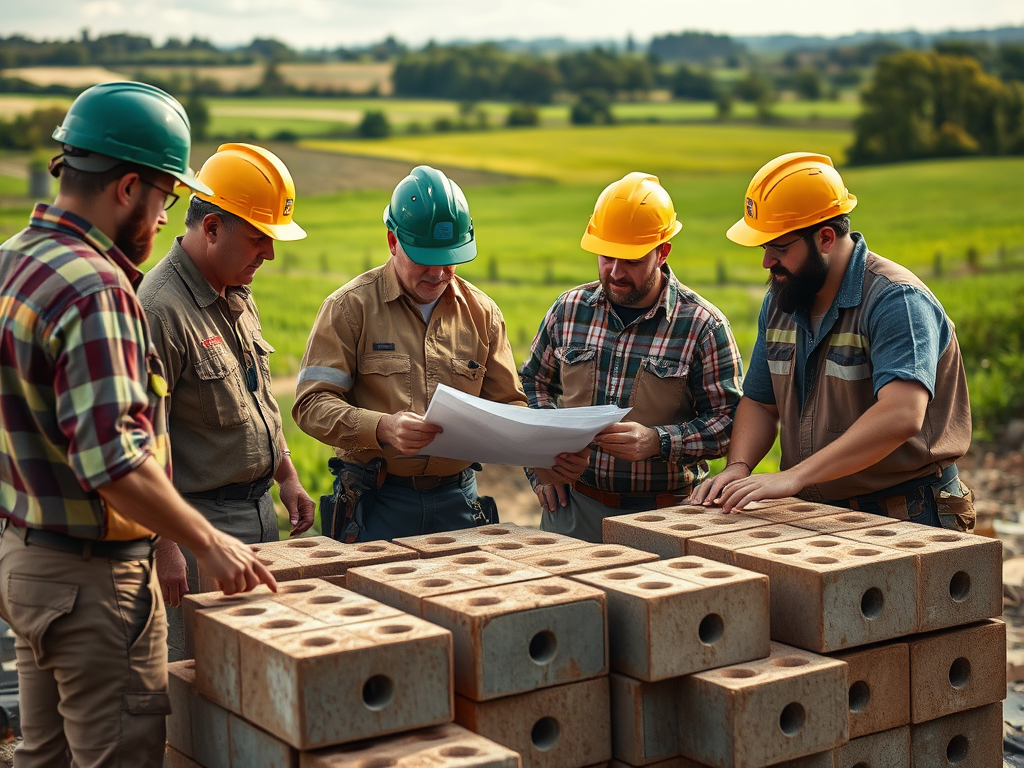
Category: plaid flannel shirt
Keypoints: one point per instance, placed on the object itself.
(683, 344)
(80, 382)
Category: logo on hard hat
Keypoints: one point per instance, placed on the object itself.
(288, 203)
(443, 230)
(751, 208)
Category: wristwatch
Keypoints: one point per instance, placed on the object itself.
(665, 443)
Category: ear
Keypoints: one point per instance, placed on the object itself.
(127, 190)
(212, 226)
(663, 251)
(827, 238)
(392, 242)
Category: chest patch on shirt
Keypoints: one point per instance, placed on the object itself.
(211, 341)
(383, 346)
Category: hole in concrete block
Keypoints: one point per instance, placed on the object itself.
(791, 721)
(394, 629)
(544, 733)
(723, 520)
(252, 610)
(539, 541)
(496, 571)
(543, 647)
(459, 751)
(684, 527)
(279, 624)
(378, 692)
(944, 537)
(960, 586)
(790, 661)
(606, 553)
(435, 583)
(912, 544)
(471, 560)
(710, 629)
(865, 552)
(738, 673)
(957, 749)
(860, 695)
(302, 544)
(484, 601)
(493, 531)
(507, 545)
(398, 570)
(862, 764)
(784, 550)
(440, 540)
(852, 518)
(370, 548)
(716, 574)
(378, 762)
(654, 585)
(318, 642)
(548, 589)
(295, 589)
(960, 673)
(325, 553)
(325, 599)
(822, 560)
(880, 532)
(356, 610)
(552, 562)
(801, 508)
(871, 603)
(684, 564)
(823, 543)
(623, 575)
(761, 534)
(649, 518)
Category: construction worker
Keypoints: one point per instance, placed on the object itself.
(856, 365)
(225, 425)
(635, 338)
(378, 349)
(84, 475)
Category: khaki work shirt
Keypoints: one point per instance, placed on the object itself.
(371, 354)
(222, 431)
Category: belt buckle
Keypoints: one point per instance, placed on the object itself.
(429, 482)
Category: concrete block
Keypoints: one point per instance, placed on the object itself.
(445, 745)
(201, 601)
(645, 723)
(406, 585)
(878, 679)
(332, 605)
(252, 746)
(722, 546)
(562, 727)
(217, 635)
(957, 669)
(175, 759)
(514, 638)
(566, 560)
(210, 740)
(786, 706)
(822, 760)
(786, 510)
(464, 540)
(829, 593)
(841, 519)
(344, 683)
(886, 749)
(959, 574)
(666, 532)
(181, 688)
(528, 542)
(972, 739)
(675, 617)
(321, 557)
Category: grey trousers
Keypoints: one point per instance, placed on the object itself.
(581, 519)
(251, 522)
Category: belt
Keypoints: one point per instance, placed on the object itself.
(424, 482)
(235, 491)
(903, 490)
(136, 549)
(632, 501)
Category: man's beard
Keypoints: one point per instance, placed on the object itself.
(135, 236)
(799, 288)
(635, 294)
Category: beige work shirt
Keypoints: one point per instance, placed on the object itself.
(213, 349)
(370, 354)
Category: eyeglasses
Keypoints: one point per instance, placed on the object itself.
(779, 249)
(170, 198)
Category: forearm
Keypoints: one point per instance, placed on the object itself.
(335, 422)
(286, 470)
(755, 428)
(147, 496)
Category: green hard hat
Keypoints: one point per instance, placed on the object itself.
(430, 217)
(133, 122)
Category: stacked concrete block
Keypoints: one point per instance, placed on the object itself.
(667, 531)
(886, 749)
(565, 726)
(829, 593)
(174, 759)
(835, 520)
(445, 745)
(878, 681)
(569, 559)
(406, 585)
(723, 546)
(971, 739)
(645, 722)
(471, 539)
(672, 618)
(787, 706)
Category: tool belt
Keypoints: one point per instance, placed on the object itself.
(135, 549)
(339, 516)
(235, 491)
(634, 502)
(424, 482)
(954, 509)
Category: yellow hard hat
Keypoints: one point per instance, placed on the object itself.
(631, 217)
(791, 192)
(252, 183)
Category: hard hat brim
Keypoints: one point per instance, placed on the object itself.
(282, 232)
(742, 233)
(596, 245)
(190, 180)
(440, 257)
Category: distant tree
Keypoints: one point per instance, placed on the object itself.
(696, 47)
(809, 84)
(595, 70)
(1011, 62)
(754, 88)
(272, 82)
(694, 84)
(30, 131)
(374, 125)
(530, 80)
(521, 115)
(593, 106)
(198, 116)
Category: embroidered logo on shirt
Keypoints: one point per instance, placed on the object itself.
(383, 346)
(209, 341)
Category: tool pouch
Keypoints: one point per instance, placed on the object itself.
(355, 484)
(954, 503)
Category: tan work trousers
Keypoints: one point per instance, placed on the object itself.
(90, 638)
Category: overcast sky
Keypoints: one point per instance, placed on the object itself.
(332, 23)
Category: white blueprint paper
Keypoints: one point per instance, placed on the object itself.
(495, 433)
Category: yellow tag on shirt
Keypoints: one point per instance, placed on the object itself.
(158, 384)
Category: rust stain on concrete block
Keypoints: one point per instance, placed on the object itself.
(878, 679)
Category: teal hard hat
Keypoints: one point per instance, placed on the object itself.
(430, 217)
(132, 122)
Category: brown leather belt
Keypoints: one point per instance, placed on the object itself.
(424, 482)
(631, 501)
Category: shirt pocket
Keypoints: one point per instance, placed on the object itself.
(263, 352)
(388, 381)
(660, 395)
(221, 391)
(468, 375)
(578, 373)
(849, 387)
